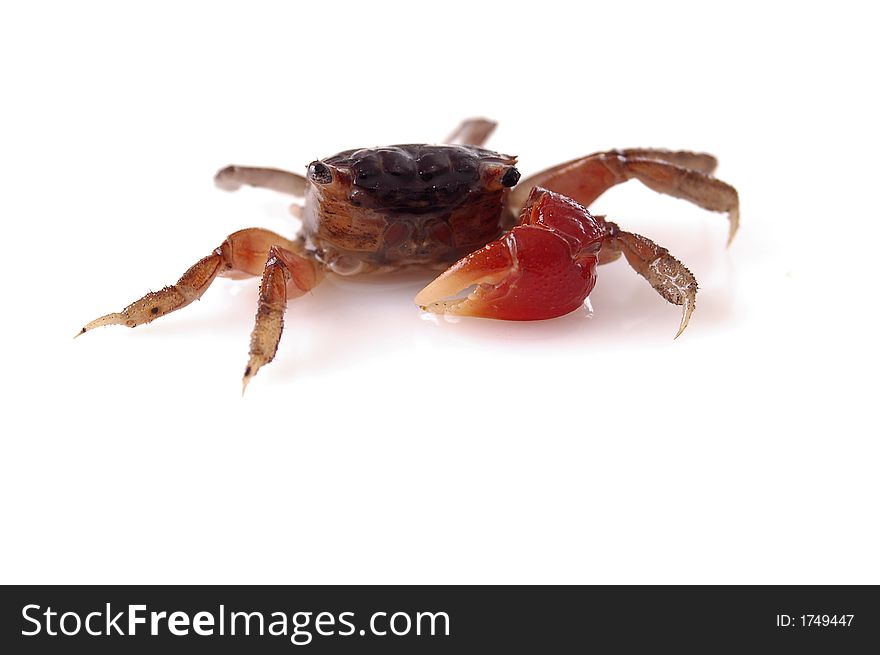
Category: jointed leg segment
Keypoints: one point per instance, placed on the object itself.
(245, 253)
(189, 287)
(472, 132)
(669, 277)
(695, 161)
(684, 175)
(286, 275)
(232, 178)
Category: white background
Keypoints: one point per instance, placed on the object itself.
(384, 445)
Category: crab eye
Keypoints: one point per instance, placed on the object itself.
(511, 177)
(320, 173)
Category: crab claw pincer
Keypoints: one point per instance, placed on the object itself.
(543, 268)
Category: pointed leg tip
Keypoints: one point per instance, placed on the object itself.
(687, 310)
(681, 328)
(109, 319)
(250, 371)
(734, 226)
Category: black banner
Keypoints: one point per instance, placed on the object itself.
(447, 619)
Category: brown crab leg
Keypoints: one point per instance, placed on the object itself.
(471, 132)
(232, 178)
(242, 254)
(587, 178)
(669, 277)
(285, 276)
(695, 161)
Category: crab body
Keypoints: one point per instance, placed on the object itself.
(405, 205)
(524, 250)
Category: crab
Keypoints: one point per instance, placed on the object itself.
(526, 249)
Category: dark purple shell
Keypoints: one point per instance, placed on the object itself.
(416, 177)
(408, 204)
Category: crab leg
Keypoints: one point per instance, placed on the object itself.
(242, 254)
(669, 277)
(680, 174)
(471, 132)
(285, 276)
(695, 161)
(232, 178)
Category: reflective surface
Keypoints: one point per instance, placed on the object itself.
(386, 445)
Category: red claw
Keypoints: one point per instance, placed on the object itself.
(543, 268)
